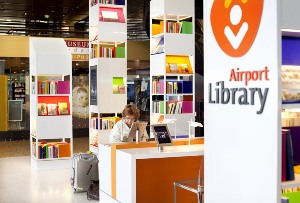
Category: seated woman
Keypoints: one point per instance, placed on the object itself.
(122, 128)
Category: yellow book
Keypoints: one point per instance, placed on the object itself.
(63, 108)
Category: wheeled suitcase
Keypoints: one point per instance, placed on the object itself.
(85, 169)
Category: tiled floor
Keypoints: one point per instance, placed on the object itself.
(20, 184)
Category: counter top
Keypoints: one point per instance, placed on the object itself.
(168, 151)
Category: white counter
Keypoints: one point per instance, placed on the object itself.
(126, 169)
(168, 151)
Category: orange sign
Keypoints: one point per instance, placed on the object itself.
(235, 24)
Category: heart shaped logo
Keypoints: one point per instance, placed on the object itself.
(235, 24)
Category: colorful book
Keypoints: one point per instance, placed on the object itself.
(122, 89)
(42, 109)
(52, 109)
(115, 89)
(64, 150)
(63, 87)
(187, 107)
(63, 108)
(187, 27)
(173, 67)
(120, 52)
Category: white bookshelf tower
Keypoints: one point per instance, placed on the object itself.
(51, 137)
(172, 63)
(108, 67)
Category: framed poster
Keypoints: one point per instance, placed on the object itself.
(15, 110)
(93, 85)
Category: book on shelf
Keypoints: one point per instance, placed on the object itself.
(187, 106)
(290, 84)
(158, 107)
(64, 150)
(94, 138)
(94, 2)
(187, 27)
(63, 108)
(173, 67)
(63, 87)
(122, 89)
(174, 107)
(178, 107)
(110, 16)
(185, 87)
(120, 52)
(52, 109)
(158, 86)
(120, 2)
(170, 107)
(184, 68)
(173, 27)
(42, 109)
(53, 87)
(115, 89)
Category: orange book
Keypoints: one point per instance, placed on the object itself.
(64, 150)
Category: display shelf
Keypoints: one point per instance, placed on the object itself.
(108, 68)
(47, 164)
(51, 104)
(172, 62)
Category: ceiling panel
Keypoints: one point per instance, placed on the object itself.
(61, 18)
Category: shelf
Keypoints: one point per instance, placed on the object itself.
(57, 163)
(107, 65)
(158, 35)
(50, 122)
(290, 106)
(51, 159)
(172, 70)
(292, 183)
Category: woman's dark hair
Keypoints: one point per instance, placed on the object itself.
(131, 110)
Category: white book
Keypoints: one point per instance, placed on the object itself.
(178, 107)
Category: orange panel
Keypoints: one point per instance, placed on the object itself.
(113, 171)
(155, 177)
